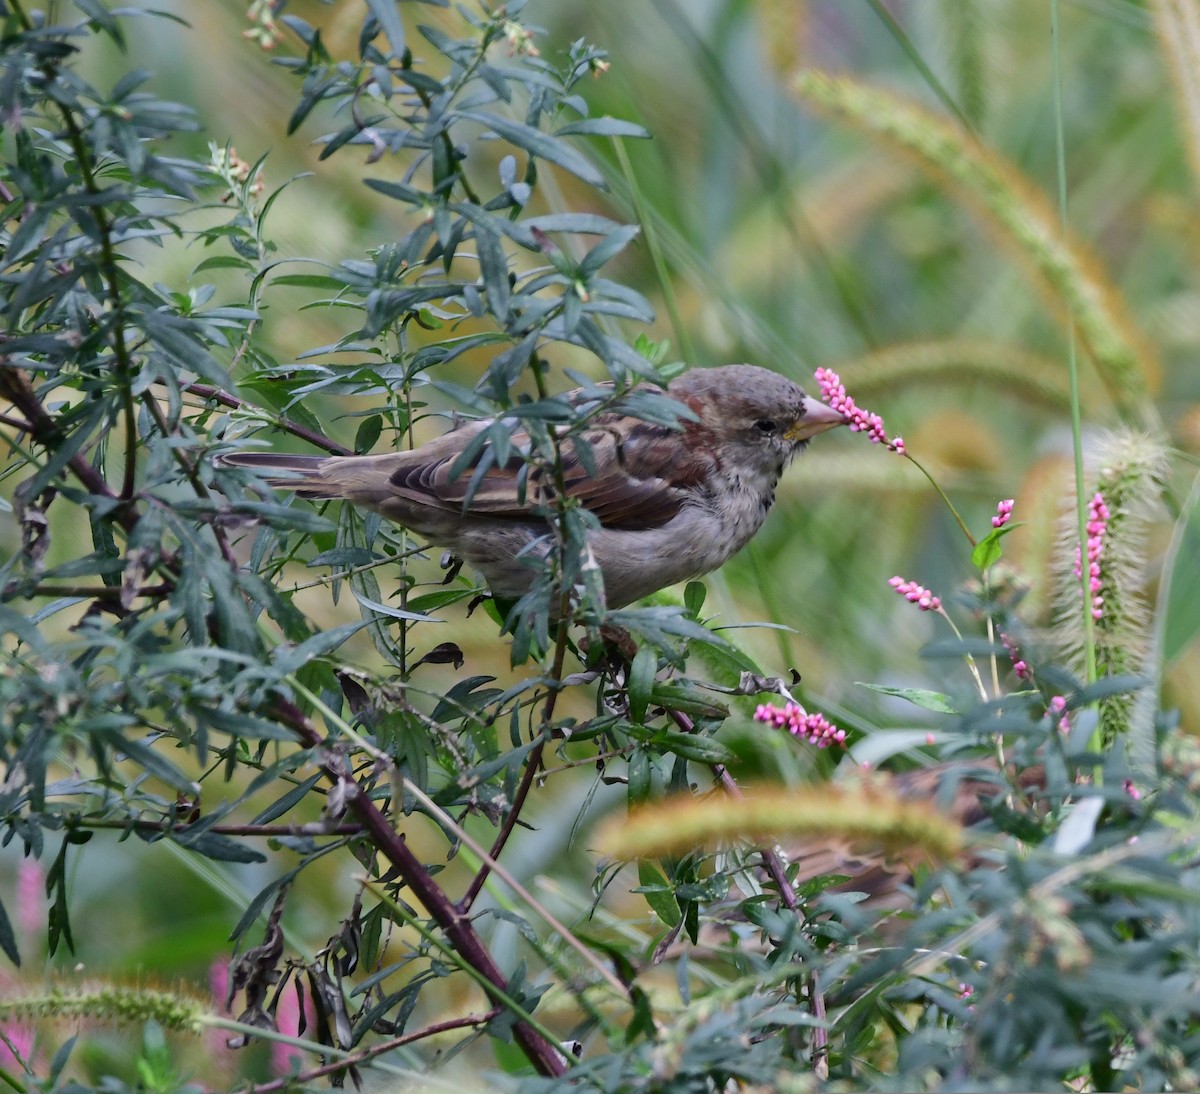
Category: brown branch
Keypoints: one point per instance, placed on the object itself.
(532, 765)
(97, 592)
(16, 388)
(290, 1081)
(15, 423)
(317, 440)
(265, 831)
(775, 868)
(459, 930)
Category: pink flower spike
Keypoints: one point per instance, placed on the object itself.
(916, 594)
(1131, 790)
(1097, 526)
(833, 392)
(1057, 709)
(1003, 513)
(814, 728)
(1020, 666)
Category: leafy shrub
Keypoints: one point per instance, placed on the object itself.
(172, 673)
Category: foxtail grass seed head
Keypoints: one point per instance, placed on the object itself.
(833, 392)
(862, 814)
(814, 728)
(1025, 220)
(916, 594)
(109, 1002)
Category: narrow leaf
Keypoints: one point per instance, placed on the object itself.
(539, 144)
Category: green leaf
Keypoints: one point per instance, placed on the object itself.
(694, 594)
(369, 430)
(658, 893)
(539, 144)
(687, 700)
(104, 19)
(612, 244)
(214, 846)
(602, 127)
(639, 775)
(926, 700)
(222, 262)
(387, 13)
(987, 550)
(641, 681)
(398, 191)
(289, 801)
(309, 281)
(237, 724)
(395, 613)
(289, 660)
(8, 939)
(493, 266)
(694, 747)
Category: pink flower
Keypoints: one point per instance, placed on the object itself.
(1020, 667)
(814, 728)
(1097, 526)
(1057, 708)
(1003, 513)
(1131, 790)
(917, 594)
(833, 392)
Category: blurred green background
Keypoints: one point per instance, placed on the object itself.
(793, 241)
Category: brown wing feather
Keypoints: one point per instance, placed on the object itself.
(637, 483)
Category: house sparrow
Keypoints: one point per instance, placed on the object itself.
(672, 503)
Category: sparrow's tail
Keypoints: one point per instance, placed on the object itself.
(303, 474)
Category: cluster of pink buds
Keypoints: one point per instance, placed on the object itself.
(1020, 666)
(1131, 790)
(1003, 513)
(1097, 525)
(1058, 709)
(833, 392)
(814, 728)
(917, 594)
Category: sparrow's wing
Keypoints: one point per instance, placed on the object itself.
(631, 474)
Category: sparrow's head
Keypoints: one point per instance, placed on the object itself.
(762, 416)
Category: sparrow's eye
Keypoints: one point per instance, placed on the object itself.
(765, 426)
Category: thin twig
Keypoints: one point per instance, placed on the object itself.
(266, 831)
(459, 930)
(773, 864)
(290, 1081)
(285, 425)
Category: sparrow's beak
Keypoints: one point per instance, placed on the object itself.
(817, 418)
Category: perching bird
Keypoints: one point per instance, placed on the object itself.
(672, 503)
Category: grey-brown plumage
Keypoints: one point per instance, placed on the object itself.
(671, 503)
